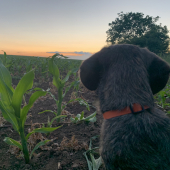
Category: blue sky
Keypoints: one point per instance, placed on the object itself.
(35, 27)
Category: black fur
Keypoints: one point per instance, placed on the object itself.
(123, 75)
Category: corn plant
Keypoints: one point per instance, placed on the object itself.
(59, 84)
(80, 118)
(6, 62)
(28, 66)
(94, 164)
(10, 105)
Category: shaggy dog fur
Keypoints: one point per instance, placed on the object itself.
(123, 75)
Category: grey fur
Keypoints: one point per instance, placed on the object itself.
(123, 75)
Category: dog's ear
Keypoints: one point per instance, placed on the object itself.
(158, 74)
(90, 73)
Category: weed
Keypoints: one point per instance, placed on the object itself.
(80, 118)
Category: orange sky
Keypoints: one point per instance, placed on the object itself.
(41, 54)
(32, 28)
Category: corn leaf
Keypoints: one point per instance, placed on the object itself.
(11, 141)
(60, 116)
(48, 111)
(32, 99)
(56, 82)
(38, 145)
(53, 69)
(89, 163)
(42, 130)
(5, 76)
(74, 70)
(82, 115)
(6, 93)
(68, 88)
(67, 77)
(8, 114)
(96, 162)
(25, 84)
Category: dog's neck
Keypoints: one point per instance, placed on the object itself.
(134, 109)
(123, 88)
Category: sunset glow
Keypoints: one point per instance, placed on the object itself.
(33, 29)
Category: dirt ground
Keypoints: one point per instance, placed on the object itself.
(68, 144)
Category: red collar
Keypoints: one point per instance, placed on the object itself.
(127, 110)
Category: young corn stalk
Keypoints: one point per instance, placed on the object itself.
(59, 84)
(10, 105)
(6, 62)
(94, 164)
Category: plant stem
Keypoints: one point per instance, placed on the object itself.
(60, 99)
(24, 146)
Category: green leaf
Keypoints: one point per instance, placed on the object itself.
(90, 116)
(26, 108)
(5, 76)
(78, 116)
(5, 57)
(82, 115)
(74, 70)
(13, 142)
(53, 69)
(48, 111)
(60, 116)
(89, 163)
(66, 78)
(6, 93)
(42, 130)
(83, 102)
(57, 82)
(96, 162)
(93, 119)
(72, 120)
(8, 114)
(38, 145)
(25, 84)
(68, 88)
(6, 89)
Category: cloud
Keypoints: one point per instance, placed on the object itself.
(81, 52)
(75, 52)
(82, 57)
(53, 52)
(79, 55)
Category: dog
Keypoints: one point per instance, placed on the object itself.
(135, 135)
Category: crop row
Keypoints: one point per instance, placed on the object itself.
(15, 109)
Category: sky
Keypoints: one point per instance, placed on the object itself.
(74, 28)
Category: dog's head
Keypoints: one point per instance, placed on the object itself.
(94, 68)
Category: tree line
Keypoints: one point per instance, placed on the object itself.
(137, 29)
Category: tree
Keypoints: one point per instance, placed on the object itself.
(134, 28)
